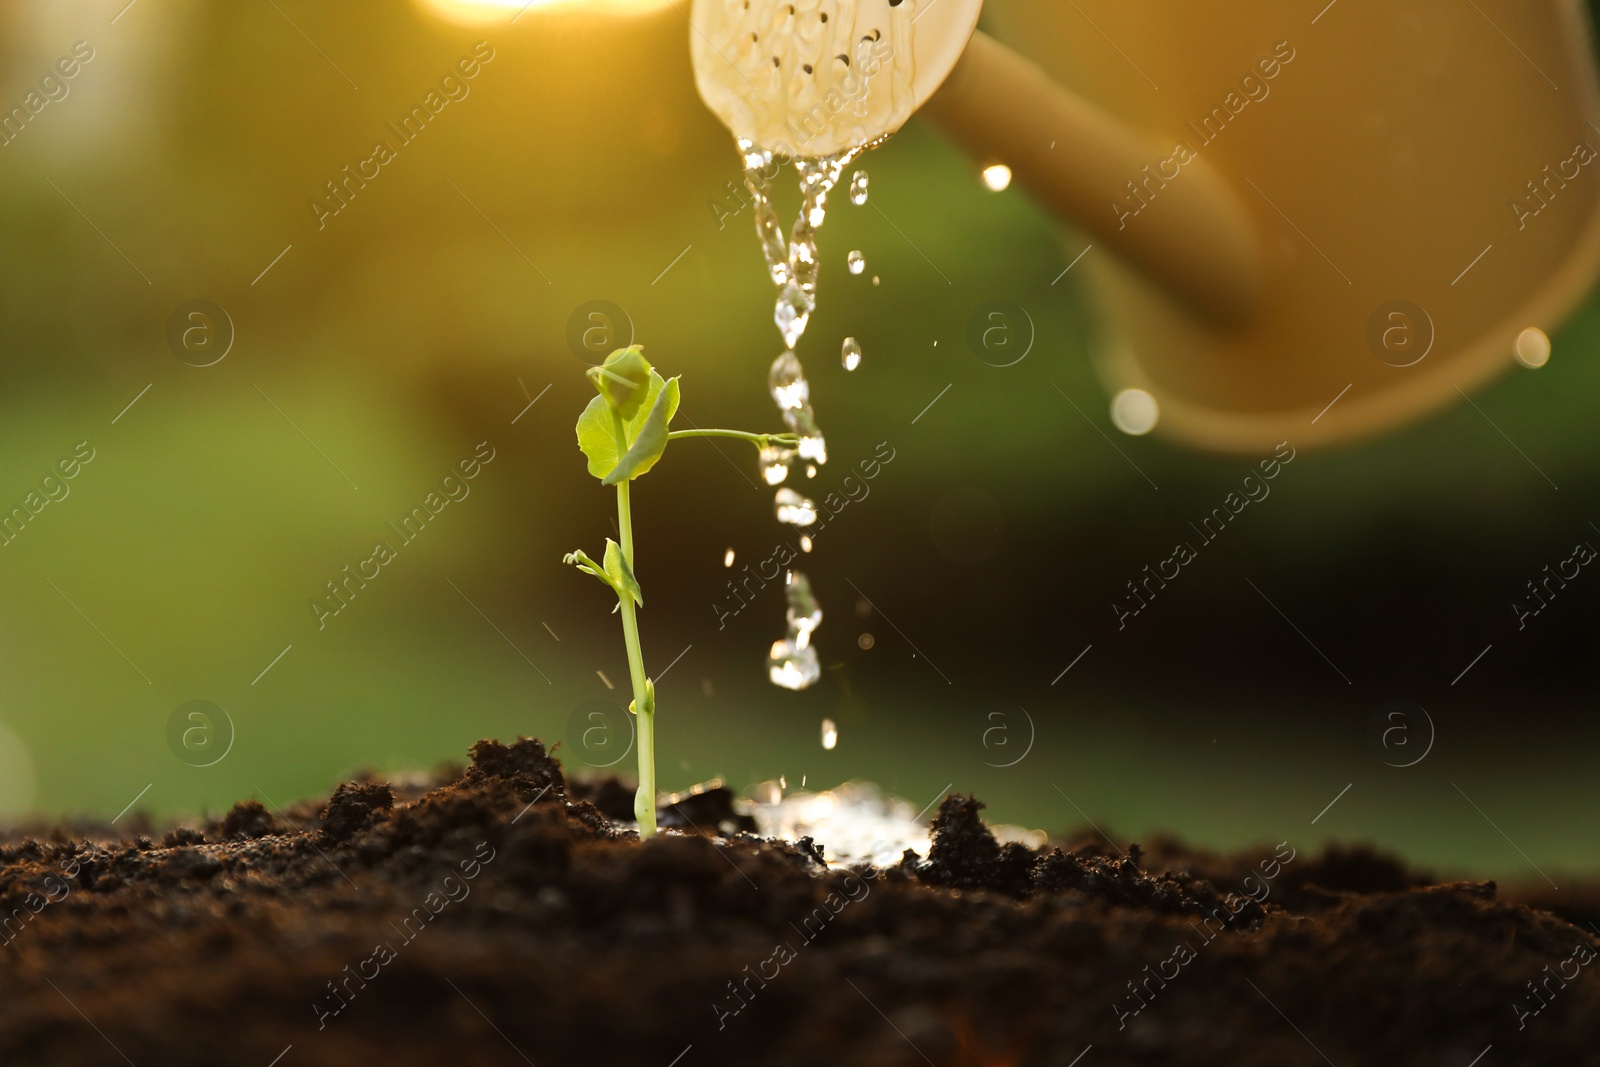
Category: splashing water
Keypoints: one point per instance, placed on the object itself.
(858, 188)
(850, 354)
(793, 662)
(855, 261)
(857, 823)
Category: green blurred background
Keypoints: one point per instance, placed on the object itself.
(424, 318)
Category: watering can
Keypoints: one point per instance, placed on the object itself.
(1305, 221)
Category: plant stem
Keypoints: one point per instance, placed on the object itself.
(644, 701)
(760, 440)
(644, 802)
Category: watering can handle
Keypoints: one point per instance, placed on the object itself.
(1193, 236)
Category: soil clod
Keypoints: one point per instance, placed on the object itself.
(247, 820)
(351, 807)
(524, 762)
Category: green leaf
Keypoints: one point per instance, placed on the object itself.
(620, 574)
(597, 434)
(646, 446)
(596, 438)
(588, 566)
(624, 380)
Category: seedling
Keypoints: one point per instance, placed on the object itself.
(623, 432)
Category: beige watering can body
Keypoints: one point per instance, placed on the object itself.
(1312, 221)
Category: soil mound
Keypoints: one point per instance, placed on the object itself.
(499, 917)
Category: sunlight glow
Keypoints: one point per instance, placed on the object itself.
(484, 12)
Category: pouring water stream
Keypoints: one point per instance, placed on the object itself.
(835, 78)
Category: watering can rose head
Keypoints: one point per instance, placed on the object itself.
(623, 431)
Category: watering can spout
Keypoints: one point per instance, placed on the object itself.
(1348, 256)
(1192, 235)
(794, 80)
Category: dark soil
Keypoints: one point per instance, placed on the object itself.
(500, 918)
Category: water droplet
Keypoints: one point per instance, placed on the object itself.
(786, 380)
(1135, 412)
(775, 464)
(997, 177)
(874, 279)
(858, 188)
(792, 668)
(1532, 348)
(793, 313)
(805, 544)
(856, 262)
(794, 509)
(783, 781)
(830, 734)
(803, 614)
(727, 558)
(811, 470)
(814, 448)
(865, 642)
(850, 355)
